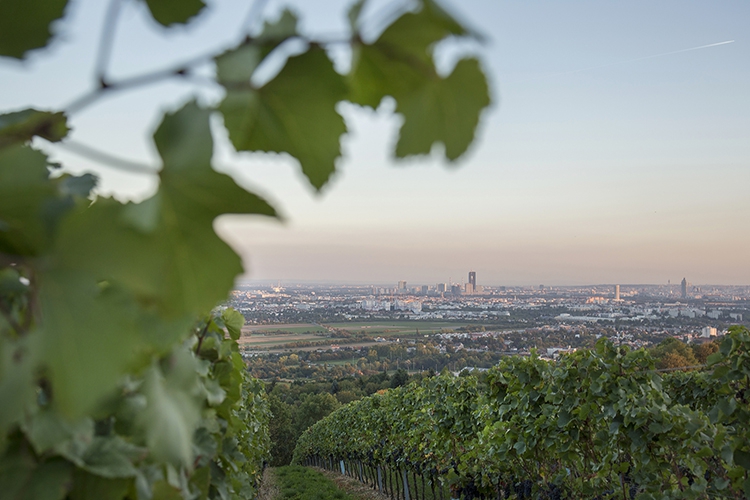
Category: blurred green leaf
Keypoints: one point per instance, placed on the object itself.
(25, 190)
(21, 478)
(235, 67)
(80, 186)
(165, 491)
(169, 12)
(443, 110)
(172, 412)
(293, 113)
(22, 126)
(87, 486)
(46, 430)
(86, 330)
(24, 24)
(156, 256)
(112, 457)
(17, 387)
(400, 60)
(192, 195)
(742, 458)
(233, 320)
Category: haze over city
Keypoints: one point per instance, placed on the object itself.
(616, 150)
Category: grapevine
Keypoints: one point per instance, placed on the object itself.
(599, 423)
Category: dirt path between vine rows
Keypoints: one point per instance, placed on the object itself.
(269, 489)
(352, 486)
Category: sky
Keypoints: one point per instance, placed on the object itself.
(611, 154)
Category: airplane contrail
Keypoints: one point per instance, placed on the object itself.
(640, 58)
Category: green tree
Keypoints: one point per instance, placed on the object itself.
(281, 430)
(116, 378)
(703, 351)
(401, 377)
(312, 409)
(672, 353)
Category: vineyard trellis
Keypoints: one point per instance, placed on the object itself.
(596, 424)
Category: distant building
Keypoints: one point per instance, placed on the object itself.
(617, 292)
(424, 289)
(473, 280)
(402, 285)
(442, 287)
(708, 331)
(683, 288)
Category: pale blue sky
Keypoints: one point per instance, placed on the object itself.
(596, 164)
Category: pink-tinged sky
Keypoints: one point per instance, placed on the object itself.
(597, 164)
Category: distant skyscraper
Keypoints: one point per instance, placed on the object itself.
(617, 292)
(442, 287)
(402, 285)
(473, 280)
(683, 288)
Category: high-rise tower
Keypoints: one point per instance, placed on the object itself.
(473, 279)
(617, 292)
(683, 288)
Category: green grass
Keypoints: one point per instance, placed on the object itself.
(396, 328)
(292, 329)
(300, 483)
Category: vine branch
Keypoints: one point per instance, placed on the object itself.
(106, 158)
(106, 42)
(182, 70)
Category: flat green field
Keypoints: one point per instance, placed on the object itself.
(286, 329)
(391, 328)
(273, 336)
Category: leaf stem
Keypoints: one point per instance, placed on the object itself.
(200, 339)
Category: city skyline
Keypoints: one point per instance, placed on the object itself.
(395, 284)
(616, 150)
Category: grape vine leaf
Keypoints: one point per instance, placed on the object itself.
(401, 58)
(87, 486)
(21, 126)
(24, 24)
(236, 66)
(192, 195)
(169, 12)
(126, 273)
(293, 113)
(233, 320)
(85, 330)
(47, 481)
(17, 384)
(24, 197)
(400, 64)
(172, 411)
(445, 110)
